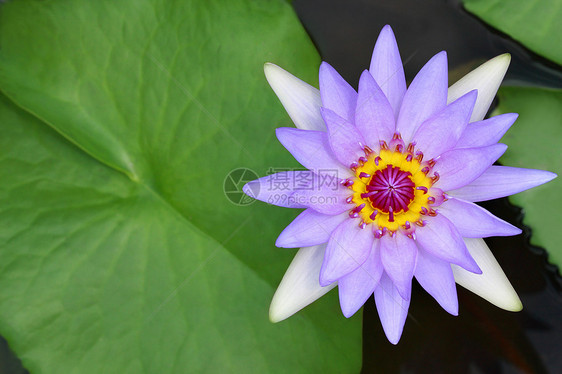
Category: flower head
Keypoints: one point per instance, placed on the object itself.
(393, 174)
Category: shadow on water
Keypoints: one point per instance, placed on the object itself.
(483, 339)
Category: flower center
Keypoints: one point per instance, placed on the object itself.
(392, 188)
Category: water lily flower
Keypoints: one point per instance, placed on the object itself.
(393, 175)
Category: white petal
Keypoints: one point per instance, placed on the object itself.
(301, 100)
(486, 79)
(300, 286)
(492, 284)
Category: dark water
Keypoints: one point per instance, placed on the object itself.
(483, 339)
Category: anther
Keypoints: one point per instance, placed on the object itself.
(432, 213)
(349, 200)
(399, 148)
(425, 170)
(379, 233)
(353, 214)
(435, 177)
(424, 211)
(367, 150)
(362, 160)
(396, 136)
(364, 175)
(353, 165)
(383, 145)
(358, 208)
(407, 225)
(362, 225)
(373, 215)
(420, 223)
(431, 200)
(410, 148)
(368, 194)
(377, 160)
(431, 163)
(347, 182)
(390, 214)
(422, 188)
(419, 156)
(409, 157)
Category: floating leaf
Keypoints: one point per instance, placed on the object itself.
(119, 250)
(536, 24)
(534, 142)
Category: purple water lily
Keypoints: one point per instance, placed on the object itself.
(393, 174)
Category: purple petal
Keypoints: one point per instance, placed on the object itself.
(392, 309)
(492, 284)
(337, 95)
(436, 277)
(426, 96)
(386, 68)
(277, 189)
(459, 167)
(345, 140)
(301, 100)
(309, 228)
(473, 221)
(299, 286)
(326, 203)
(442, 131)
(322, 192)
(356, 287)
(487, 132)
(348, 248)
(312, 150)
(374, 117)
(398, 256)
(500, 181)
(440, 238)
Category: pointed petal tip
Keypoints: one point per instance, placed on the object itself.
(505, 57)
(364, 75)
(453, 311)
(326, 68)
(492, 285)
(387, 33)
(441, 56)
(517, 305)
(348, 313)
(393, 339)
(549, 176)
(272, 71)
(275, 315)
(281, 242)
(473, 267)
(324, 282)
(247, 189)
(386, 28)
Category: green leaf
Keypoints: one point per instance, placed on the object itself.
(119, 250)
(536, 24)
(534, 142)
